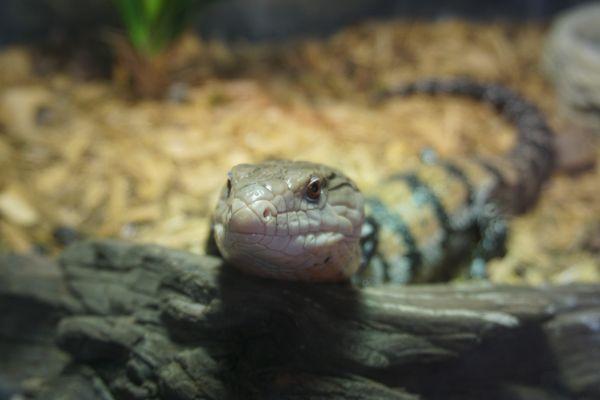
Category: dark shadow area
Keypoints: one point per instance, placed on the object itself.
(497, 369)
(266, 330)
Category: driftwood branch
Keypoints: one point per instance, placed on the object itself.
(144, 322)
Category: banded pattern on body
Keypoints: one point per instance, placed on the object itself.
(520, 173)
(452, 210)
(430, 218)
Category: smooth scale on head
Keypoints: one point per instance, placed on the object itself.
(290, 220)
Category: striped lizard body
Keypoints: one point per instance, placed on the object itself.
(305, 221)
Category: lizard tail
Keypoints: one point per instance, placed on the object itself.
(532, 158)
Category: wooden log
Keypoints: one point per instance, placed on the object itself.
(145, 322)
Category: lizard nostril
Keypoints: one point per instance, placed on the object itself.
(267, 213)
(264, 210)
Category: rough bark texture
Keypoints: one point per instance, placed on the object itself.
(120, 321)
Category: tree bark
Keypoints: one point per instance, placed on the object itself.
(113, 320)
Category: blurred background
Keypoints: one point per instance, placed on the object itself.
(263, 19)
(121, 118)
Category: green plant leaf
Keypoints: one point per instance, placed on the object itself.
(152, 8)
(153, 24)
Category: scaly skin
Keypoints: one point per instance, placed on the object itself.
(265, 223)
(417, 221)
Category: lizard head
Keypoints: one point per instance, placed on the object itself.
(290, 220)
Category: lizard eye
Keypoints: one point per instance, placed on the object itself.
(228, 185)
(313, 189)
